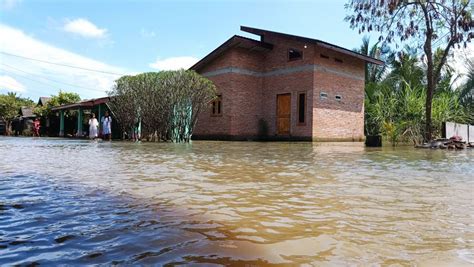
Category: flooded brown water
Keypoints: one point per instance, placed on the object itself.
(234, 203)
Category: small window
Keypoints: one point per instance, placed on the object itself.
(338, 60)
(323, 95)
(338, 98)
(323, 56)
(217, 106)
(301, 108)
(294, 54)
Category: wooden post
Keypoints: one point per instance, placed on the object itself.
(79, 122)
(61, 123)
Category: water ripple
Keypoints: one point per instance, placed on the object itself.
(229, 203)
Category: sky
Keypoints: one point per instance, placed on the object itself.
(92, 43)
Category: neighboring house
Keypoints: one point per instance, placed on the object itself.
(77, 125)
(23, 124)
(283, 87)
(43, 101)
(27, 113)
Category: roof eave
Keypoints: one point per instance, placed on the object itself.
(83, 104)
(339, 49)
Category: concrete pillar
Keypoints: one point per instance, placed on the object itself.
(61, 123)
(79, 122)
(99, 117)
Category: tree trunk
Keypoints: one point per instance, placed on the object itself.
(430, 84)
(8, 128)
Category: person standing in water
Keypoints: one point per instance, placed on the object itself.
(36, 127)
(93, 127)
(107, 126)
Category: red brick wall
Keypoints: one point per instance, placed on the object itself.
(278, 57)
(332, 119)
(243, 58)
(224, 60)
(289, 83)
(217, 125)
(246, 99)
(241, 96)
(293, 83)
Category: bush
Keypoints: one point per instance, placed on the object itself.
(166, 103)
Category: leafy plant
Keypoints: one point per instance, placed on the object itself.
(167, 103)
(422, 24)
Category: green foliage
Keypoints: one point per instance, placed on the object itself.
(405, 71)
(166, 103)
(62, 98)
(10, 105)
(466, 91)
(422, 25)
(395, 103)
(398, 115)
(373, 72)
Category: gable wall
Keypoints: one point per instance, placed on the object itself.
(241, 95)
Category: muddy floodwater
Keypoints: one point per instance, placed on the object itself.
(234, 203)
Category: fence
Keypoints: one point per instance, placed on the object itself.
(466, 131)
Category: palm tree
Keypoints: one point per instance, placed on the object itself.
(405, 69)
(373, 72)
(466, 91)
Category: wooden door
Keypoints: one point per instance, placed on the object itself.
(283, 114)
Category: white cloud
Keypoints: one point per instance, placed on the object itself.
(147, 33)
(16, 42)
(9, 84)
(84, 28)
(9, 4)
(174, 63)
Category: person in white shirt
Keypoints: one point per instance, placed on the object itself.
(107, 126)
(93, 127)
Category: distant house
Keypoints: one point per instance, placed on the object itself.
(77, 125)
(283, 86)
(27, 113)
(43, 101)
(23, 124)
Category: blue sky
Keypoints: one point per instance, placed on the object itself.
(128, 37)
(137, 36)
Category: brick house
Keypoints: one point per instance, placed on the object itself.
(283, 87)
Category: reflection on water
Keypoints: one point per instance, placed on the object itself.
(80, 202)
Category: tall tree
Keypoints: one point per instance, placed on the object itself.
(427, 22)
(405, 70)
(373, 72)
